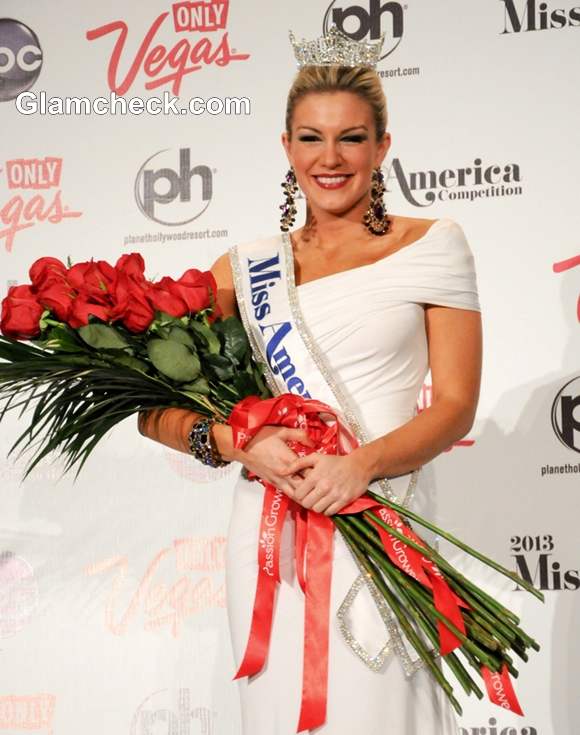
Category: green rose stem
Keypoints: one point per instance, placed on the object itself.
(479, 623)
(431, 554)
(486, 606)
(492, 617)
(495, 607)
(453, 540)
(421, 597)
(451, 659)
(350, 536)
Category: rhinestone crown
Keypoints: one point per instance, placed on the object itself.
(336, 48)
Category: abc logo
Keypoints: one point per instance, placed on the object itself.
(566, 425)
(359, 23)
(165, 195)
(20, 58)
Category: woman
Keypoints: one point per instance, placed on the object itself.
(376, 300)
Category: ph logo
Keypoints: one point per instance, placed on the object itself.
(565, 414)
(20, 58)
(360, 23)
(171, 197)
(171, 712)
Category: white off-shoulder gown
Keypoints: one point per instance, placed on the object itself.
(370, 323)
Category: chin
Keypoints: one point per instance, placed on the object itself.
(335, 203)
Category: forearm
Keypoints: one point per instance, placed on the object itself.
(418, 441)
(171, 426)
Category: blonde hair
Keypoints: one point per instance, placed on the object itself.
(359, 80)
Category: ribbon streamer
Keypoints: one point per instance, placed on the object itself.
(500, 690)
(313, 551)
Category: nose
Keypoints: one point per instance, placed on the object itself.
(330, 156)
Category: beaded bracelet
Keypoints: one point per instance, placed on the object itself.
(202, 444)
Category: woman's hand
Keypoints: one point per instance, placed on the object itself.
(330, 482)
(269, 456)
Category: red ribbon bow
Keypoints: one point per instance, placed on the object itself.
(313, 549)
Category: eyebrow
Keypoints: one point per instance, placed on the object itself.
(346, 130)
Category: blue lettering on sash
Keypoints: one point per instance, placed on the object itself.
(264, 275)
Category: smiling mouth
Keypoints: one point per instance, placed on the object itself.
(331, 181)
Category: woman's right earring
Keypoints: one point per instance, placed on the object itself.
(290, 187)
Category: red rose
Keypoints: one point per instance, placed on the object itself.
(45, 271)
(133, 266)
(57, 296)
(21, 313)
(83, 307)
(215, 314)
(196, 288)
(162, 297)
(138, 314)
(119, 295)
(130, 303)
(94, 279)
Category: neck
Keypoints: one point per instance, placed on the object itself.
(332, 228)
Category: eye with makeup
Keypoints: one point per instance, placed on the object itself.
(349, 138)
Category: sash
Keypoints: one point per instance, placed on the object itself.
(266, 293)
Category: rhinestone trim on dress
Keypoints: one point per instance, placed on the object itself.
(395, 639)
(343, 402)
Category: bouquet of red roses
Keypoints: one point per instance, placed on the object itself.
(86, 346)
(106, 343)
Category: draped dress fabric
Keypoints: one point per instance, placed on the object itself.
(369, 322)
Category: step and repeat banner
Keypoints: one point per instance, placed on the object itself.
(112, 597)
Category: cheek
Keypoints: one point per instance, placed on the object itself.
(360, 158)
(304, 160)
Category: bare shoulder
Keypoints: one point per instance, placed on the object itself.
(222, 271)
(226, 296)
(411, 228)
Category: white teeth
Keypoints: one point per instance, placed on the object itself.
(330, 179)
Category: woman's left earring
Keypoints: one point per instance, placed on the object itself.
(290, 187)
(375, 218)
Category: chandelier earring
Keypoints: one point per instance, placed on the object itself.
(290, 187)
(375, 218)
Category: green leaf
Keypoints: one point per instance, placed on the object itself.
(221, 366)
(43, 323)
(174, 360)
(245, 384)
(163, 319)
(102, 337)
(177, 334)
(132, 362)
(208, 339)
(235, 338)
(198, 386)
(61, 339)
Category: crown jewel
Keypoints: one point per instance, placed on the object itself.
(336, 48)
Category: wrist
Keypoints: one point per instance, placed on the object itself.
(366, 460)
(224, 441)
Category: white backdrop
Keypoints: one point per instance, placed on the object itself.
(112, 598)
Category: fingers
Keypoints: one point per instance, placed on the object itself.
(302, 463)
(305, 486)
(298, 435)
(332, 509)
(287, 483)
(284, 486)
